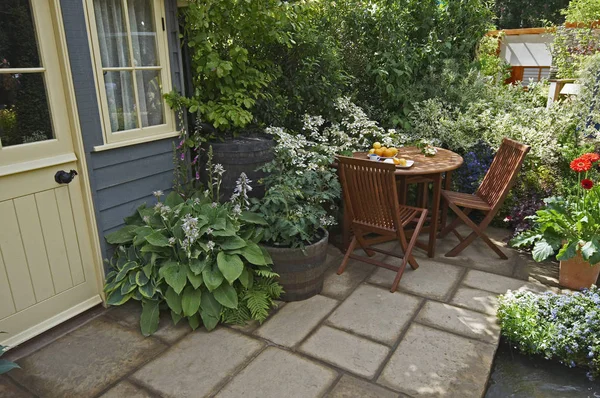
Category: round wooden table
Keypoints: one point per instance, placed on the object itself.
(426, 170)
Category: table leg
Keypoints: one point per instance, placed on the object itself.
(435, 208)
(447, 187)
(402, 187)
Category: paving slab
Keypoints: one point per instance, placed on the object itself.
(425, 281)
(475, 299)
(276, 373)
(296, 320)
(375, 313)
(461, 321)
(355, 354)
(8, 389)
(352, 387)
(340, 286)
(499, 284)
(126, 389)
(129, 313)
(433, 363)
(198, 364)
(86, 361)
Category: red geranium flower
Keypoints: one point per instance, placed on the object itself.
(580, 164)
(592, 157)
(587, 184)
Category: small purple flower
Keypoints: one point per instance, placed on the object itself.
(197, 175)
(182, 157)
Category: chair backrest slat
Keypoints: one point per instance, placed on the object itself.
(370, 192)
(502, 173)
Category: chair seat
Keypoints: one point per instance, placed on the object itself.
(466, 200)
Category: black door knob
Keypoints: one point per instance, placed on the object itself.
(63, 177)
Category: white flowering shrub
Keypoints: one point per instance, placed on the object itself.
(199, 257)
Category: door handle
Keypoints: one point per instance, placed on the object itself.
(63, 177)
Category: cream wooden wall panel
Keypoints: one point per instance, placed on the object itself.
(35, 249)
(65, 209)
(7, 305)
(14, 257)
(55, 244)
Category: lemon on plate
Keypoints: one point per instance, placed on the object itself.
(376, 145)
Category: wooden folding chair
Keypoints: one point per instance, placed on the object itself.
(372, 204)
(489, 196)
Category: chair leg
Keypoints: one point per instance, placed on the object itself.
(404, 243)
(457, 221)
(349, 251)
(409, 249)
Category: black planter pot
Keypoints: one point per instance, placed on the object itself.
(241, 154)
(301, 272)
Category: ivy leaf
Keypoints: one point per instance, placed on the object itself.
(149, 317)
(157, 239)
(213, 278)
(567, 251)
(210, 305)
(226, 296)
(123, 235)
(253, 218)
(173, 300)
(175, 275)
(209, 321)
(190, 300)
(542, 250)
(232, 243)
(230, 265)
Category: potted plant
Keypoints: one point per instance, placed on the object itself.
(300, 189)
(570, 226)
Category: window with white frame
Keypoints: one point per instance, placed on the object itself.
(130, 52)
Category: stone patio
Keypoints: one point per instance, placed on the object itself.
(435, 337)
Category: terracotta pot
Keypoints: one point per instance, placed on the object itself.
(301, 272)
(577, 274)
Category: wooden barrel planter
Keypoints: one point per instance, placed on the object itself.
(242, 154)
(301, 272)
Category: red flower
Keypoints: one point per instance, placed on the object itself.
(592, 157)
(581, 164)
(587, 184)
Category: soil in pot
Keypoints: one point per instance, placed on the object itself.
(301, 272)
(577, 274)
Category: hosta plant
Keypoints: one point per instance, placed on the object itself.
(197, 258)
(6, 365)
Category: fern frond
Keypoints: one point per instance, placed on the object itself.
(237, 316)
(259, 304)
(265, 273)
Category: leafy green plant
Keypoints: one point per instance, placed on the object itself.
(582, 11)
(5, 365)
(564, 327)
(196, 257)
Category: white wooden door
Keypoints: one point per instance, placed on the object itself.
(47, 269)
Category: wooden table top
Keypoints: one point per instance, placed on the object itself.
(444, 160)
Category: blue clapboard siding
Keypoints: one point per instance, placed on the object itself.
(123, 178)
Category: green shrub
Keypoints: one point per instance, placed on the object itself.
(563, 327)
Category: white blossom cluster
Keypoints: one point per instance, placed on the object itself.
(190, 230)
(240, 193)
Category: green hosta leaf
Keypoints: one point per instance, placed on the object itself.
(137, 295)
(164, 251)
(253, 218)
(173, 300)
(6, 366)
(173, 199)
(226, 295)
(125, 270)
(209, 321)
(230, 265)
(140, 278)
(140, 235)
(190, 300)
(232, 243)
(116, 298)
(195, 280)
(213, 278)
(210, 305)
(197, 266)
(135, 218)
(127, 287)
(246, 278)
(194, 321)
(149, 318)
(147, 269)
(225, 232)
(542, 250)
(567, 251)
(148, 290)
(176, 317)
(124, 235)
(219, 224)
(109, 287)
(175, 275)
(253, 253)
(157, 239)
(131, 277)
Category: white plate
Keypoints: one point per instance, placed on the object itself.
(408, 164)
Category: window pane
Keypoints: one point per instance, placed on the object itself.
(24, 114)
(112, 33)
(121, 100)
(143, 33)
(150, 95)
(18, 43)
